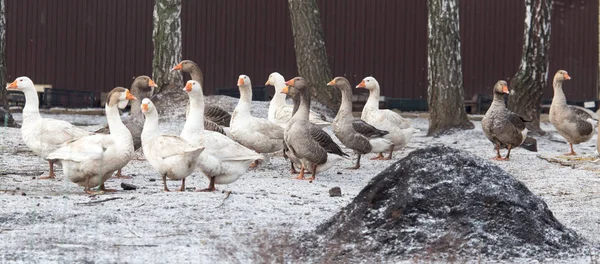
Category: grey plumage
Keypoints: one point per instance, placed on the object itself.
(140, 88)
(502, 127)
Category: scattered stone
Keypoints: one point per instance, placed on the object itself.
(152, 179)
(17, 188)
(128, 187)
(23, 194)
(335, 192)
(440, 201)
(530, 144)
(339, 173)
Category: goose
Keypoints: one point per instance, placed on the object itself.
(89, 161)
(306, 141)
(215, 116)
(171, 156)
(223, 160)
(400, 129)
(258, 134)
(356, 134)
(502, 127)
(142, 87)
(280, 112)
(575, 124)
(42, 135)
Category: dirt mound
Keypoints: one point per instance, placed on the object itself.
(446, 202)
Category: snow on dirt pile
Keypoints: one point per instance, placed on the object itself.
(442, 201)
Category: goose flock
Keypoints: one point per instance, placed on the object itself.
(223, 146)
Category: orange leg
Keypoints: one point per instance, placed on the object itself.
(357, 165)
(121, 176)
(182, 185)
(87, 188)
(508, 154)
(572, 153)
(498, 156)
(293, 168)
(301, 175)
(254, 164)
(164, 178)
(51, 175)
(211, 186)
(314, 173)
(103, 188)
(378, 157)
(390, 156)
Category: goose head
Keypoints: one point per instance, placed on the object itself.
(119, 97)
(561, 75)
(501, 87)
(369, 83)
(185, 65)
(194, 89)
(22, 84)
(342, 84)
(244, 82)
(147, 106)
(275, 78)
(143, 86)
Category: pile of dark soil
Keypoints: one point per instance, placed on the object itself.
(440, 201)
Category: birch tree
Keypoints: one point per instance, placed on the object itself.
(166, 37)
(528, 83)
(445, 96)
(311, 54)
(5, 116)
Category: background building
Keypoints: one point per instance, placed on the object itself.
(90, 45)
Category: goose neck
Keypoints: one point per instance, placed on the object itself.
(150, 129)
(115, 125)
(194, 124)
(559, 95)
(373, 100)
(31, 110)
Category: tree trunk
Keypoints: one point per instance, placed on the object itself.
(5, 117)
(166, 36)
(311, 54)
(445, 91)
(528, 83)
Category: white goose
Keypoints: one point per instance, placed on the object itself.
(280, 112)
(258, 134)
(42, 135)
(171, 156)
(89, 161)
(400, 129)
(223, 160)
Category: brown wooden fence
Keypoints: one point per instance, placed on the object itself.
(95, 45)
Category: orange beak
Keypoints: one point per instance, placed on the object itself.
(331, 83)
(285, 90)
(361, 85)
(129, 96)
(240, 81)
(144, 108)
(567, 77)
(188, 87)
(151, 83)
(505, 89)
(12, 85)
(268, 82)
(290, 82)
(177, 67)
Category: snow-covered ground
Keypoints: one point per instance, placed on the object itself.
(45, 220)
